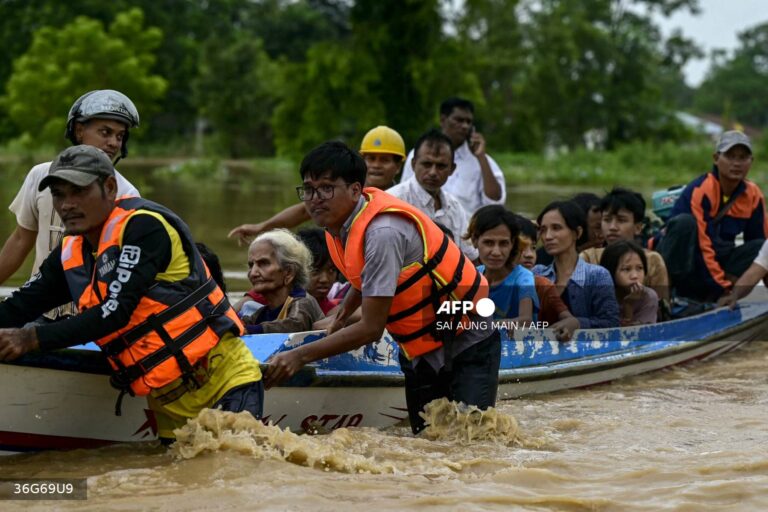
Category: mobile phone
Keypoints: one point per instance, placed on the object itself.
(469, 138)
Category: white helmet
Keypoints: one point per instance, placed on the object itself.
(103, 104)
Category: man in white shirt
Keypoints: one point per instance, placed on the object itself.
(99, 118)
(478, 179)
(432, 165)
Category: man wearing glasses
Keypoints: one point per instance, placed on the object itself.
(402, 268)
(698, 242)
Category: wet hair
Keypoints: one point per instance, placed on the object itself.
(433, 138)
(314, 239)
(491, 216)
(572, 213)
(527, 228)
(447, 107)
(291, 253)
(336, 157)
(214, 265)
(613, 253)
(620, 197)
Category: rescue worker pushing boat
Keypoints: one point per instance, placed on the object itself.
(402, 268)
(144, 295)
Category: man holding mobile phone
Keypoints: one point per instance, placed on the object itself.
(477, 180)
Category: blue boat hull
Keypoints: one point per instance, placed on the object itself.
(63, 400)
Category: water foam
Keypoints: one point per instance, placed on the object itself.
(451, 421)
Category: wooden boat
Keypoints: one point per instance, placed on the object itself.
(62, 399)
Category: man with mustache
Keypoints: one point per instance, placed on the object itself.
(478, 179)
(100, 118)
(144, 296)
(432, 166)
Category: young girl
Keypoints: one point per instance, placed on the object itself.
(323, 274)
(626, 262)
(495, 232)
(586, 289)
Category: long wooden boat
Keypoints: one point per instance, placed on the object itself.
(63, 400)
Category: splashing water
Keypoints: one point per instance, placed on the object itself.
(451, 421)
(215, 430)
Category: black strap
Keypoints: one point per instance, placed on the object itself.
(427, 268)
(724, 209)
(119, 403)
(128, 338)
(405, 338)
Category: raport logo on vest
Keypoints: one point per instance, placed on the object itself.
(129, 257)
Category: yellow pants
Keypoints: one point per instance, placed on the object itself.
(230, 364)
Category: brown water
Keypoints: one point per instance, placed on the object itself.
(690, 438)
(213, 199)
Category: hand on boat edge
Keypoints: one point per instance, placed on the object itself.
(14, 343)
(730, 300)
(282, 366)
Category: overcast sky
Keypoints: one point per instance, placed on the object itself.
(715, 27)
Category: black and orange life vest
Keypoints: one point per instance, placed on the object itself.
(174, 325)
(444, 274)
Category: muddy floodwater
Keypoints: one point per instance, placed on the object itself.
(691, 438)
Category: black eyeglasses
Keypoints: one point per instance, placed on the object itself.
(307, 192)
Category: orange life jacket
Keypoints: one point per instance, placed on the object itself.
(174, 325)
(444, 274)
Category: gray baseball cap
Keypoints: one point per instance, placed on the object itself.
(80, 165)
(732, 138)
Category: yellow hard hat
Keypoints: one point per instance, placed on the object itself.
(383, 139)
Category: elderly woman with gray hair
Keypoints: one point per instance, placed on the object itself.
(278, 268)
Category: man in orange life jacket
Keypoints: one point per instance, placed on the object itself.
(402, 268)
(144, 295)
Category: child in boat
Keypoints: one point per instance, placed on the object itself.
(552, 309)
(627, 263)
(586, 289)
(623, 218)
(323, 274)
(278, 268)
(494, 231)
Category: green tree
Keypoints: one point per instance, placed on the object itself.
(491, 35)
(235, 92)
(63, 63)
(735, 85)
(327, 97)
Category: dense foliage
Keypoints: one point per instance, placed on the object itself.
(265, 77)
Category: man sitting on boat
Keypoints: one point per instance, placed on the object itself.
(433, 164)
(278, 268)
(144, 295)
(698, 242)
(402, 268)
